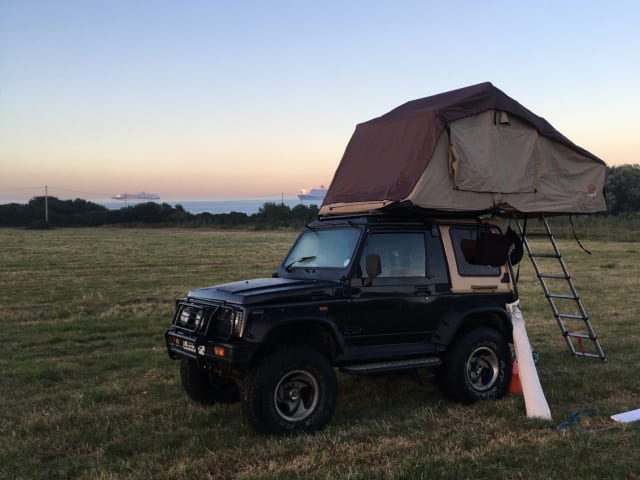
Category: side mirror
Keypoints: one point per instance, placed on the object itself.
(374, 267)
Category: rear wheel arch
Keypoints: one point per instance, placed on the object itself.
(453, 328)
(497, 320)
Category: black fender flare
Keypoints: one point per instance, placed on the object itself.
(455, 322)
(301, 329)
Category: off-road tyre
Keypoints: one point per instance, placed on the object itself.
(205, 387)
(292, 390)
(477, 367)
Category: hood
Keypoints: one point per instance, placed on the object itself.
(265, 290)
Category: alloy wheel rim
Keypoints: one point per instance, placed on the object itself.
(482, 368)
(296, 395)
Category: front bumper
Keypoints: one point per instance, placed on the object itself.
(208, 353)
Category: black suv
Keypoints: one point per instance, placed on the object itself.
(365, 294)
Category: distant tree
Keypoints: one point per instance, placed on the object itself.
(622, 189)
(273, 215)
(278, 215)
(301, 214)
(12, 215)
(63, 213)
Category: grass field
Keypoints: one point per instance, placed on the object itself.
(87, 390)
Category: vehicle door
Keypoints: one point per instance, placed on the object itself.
(396, 302)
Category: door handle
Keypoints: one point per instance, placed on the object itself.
(424, 292)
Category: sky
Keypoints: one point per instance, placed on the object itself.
(196, 99)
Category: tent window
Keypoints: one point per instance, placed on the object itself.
(491, 152)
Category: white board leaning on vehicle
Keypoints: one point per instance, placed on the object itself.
(534, 399)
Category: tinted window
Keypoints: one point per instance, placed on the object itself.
(323, 248)
(401, 254)
(464, 245)
(437, 266)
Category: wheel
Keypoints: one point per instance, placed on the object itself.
(290, 391)
(477, 367)
(207, 388)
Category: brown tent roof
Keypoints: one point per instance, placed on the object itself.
(387, 156)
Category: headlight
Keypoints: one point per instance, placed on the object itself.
(223, 323)
(197, 321)
(230, 321)
(184, 316)
(238, 323)
(190, 317)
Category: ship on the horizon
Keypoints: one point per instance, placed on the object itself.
(312, 194)
(136, 196)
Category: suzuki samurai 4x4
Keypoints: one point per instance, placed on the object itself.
(364, 294)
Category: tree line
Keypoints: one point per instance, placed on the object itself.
(622, 191)
(83, 213)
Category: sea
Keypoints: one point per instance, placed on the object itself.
(214, 206)
(193, 206)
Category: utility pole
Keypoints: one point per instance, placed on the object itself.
(46, 204)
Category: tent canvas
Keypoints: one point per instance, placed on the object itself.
(474, 149)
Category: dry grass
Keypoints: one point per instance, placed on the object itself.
(87, 390)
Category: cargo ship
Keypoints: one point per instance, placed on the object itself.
(136, 196)
(312, 194)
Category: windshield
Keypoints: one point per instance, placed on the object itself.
(323, 249)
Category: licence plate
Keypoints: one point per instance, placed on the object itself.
(189, 346)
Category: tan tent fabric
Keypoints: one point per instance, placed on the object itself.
(469, 150)
(478, 144)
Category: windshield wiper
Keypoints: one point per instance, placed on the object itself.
(299, 260)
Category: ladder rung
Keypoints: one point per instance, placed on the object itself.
(545, 255)
(555, 275)
(586, 336)
(571, 316)
(590, 355)
(564, 297)
(537, 234)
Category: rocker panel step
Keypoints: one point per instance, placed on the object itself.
(392, 366)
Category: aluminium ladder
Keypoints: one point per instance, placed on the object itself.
(563, 297)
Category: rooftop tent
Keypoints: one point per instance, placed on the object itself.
(468, 150)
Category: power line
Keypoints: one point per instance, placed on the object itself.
(39, 187)
(80, 191)
(53, 187)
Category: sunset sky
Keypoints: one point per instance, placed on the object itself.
(215, 99)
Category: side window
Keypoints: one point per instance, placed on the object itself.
(401, 254)
(437, 271)
(464, 246)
